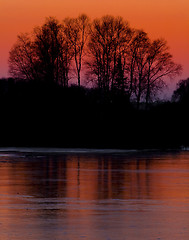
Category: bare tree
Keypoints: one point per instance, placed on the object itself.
(45, 55)
(23, 59)
(50, 49)
(65, 59)
(109, 38)
(160, 65)
(137, 62)
(149, 63)
(76, 31)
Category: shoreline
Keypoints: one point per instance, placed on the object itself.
(85, 150)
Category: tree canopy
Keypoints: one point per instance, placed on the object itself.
(114, 56)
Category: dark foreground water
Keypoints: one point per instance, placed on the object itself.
(95, 196)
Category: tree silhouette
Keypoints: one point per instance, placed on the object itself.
(138, 61)
(48, 48)
(76, 31)
(23, 59)
(109, 38)
(45, 55)
(160, 64)
(118, 58)
(149, 63)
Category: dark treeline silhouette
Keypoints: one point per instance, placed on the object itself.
(49, 115)
(40, 106)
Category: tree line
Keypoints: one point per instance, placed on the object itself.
(37, 114)
(106, 52)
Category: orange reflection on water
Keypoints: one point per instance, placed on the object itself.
(96, 177)
(94, 196)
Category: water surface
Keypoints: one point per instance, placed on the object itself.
(94, 195)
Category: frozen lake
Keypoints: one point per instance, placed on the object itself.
(95, 195)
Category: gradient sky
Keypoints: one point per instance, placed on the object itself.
(163, 18)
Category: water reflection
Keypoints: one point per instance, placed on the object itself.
(75, 196)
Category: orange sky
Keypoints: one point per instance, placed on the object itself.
(163, 18)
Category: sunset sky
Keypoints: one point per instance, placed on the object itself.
(168, 19)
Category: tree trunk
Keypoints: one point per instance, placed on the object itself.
(79, 79)
(138, 100)
(147, 94)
